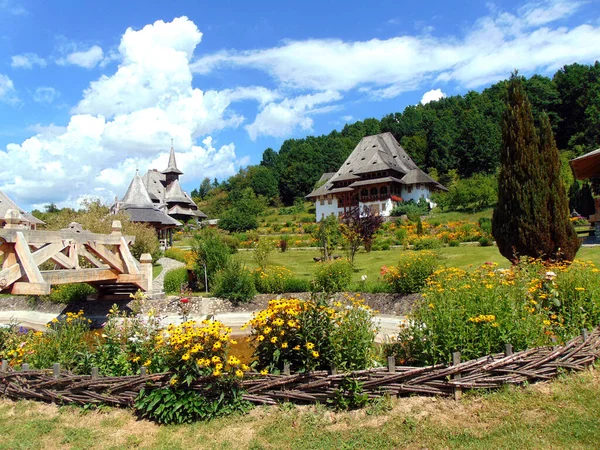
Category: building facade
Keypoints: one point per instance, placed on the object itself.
(378, 174)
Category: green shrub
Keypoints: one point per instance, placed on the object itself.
(486, 225)
(453, 243)
(212, 252)
(486, 241)
(412, 271)
(272, 279)
(296, 285)
(69, 293)
(427, 244)
(174, 279)
(332, 276)
(412, 209)
(262, 252)
(235, 283)
(177, 254)
(177, 405)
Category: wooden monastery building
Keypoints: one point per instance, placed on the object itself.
(378, 174)
(158, 199)
(25, 220)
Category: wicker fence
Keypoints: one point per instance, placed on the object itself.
(489, 372)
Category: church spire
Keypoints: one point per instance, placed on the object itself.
(172, 168)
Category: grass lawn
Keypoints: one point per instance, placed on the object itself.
(559, 414)
(301, 263)
(156, 270)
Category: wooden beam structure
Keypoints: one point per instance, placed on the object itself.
(79, 257)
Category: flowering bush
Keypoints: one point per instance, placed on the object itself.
(311, 335)
(332, 276)
(272, 279)
(412, 271)
(478, 312)
(235, 283)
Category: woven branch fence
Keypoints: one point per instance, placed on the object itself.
(489, 372)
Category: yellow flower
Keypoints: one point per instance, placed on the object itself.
(273, 340)
(284, 345)
(173, 381)
(239, 373)
(147, 363)
(579, 289)
(297, 347)
(264, 372)
(310, 345)
(315, 354)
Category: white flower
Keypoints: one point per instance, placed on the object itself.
(550, 275)
(363, 278)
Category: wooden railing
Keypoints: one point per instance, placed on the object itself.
(106, 259)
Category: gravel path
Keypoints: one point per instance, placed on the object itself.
(167, 264)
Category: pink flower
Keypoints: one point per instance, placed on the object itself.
(185, 300)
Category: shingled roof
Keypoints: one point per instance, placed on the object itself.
(380, 152)
(6, 203)
(172, 167)
(136, 193)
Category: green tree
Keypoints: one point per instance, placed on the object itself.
(328, 234)
(211, 254)
(531, 217)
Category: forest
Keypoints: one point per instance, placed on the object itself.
(457, 136)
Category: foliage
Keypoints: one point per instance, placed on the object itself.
(411, 209)
(328, 235)
(175, 279)
(358, 228)
(411, 274)
(63, 342)
(235, 283)
(332, 276)
(177, 254)
(426, 243)
(478, 312)
(235, 220)
(310, 335)
(245, 206)
(262, 252)
(211, 253)
(146, 240)
(171, 405)
(70, 293)
(349, 395)
(531, 218)
(581, 198)
(272, 279)
(473, 194)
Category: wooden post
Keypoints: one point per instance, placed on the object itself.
(143, 371)
(94, 373)
(12, 219)
(25, 367)
(333, 370)
(146, 269)
(391, 364)
(584, 334)
(554, 346)
(116, 227)
(286, 369)
(56, 370)
(508, 349)
(4, 366)
(456, 362)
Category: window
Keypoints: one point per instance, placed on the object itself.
(383, 190)
(409, 188)
(364, 194)
(322, 201)
(374, 191)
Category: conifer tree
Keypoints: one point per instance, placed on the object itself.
(531, 217)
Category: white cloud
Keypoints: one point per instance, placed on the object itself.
(45, 94)
(494, 46)
(8, 94)
(27, 61)
(281, 119)
(432, 96)
(88, 59)
(348, 118)
(12, 7)
(125, 121)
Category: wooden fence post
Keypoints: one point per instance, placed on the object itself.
(94, 373)
(286, 369)
(333, 369)
(508, 349)
(25, 367)
(4, 366)
(554, 346)
(584, 334)
(143, 371)
(457, 376)
(56, 370)
(391, 364)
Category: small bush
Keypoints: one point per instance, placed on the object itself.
(485, 224)
(174, 279)
(177, 254)
(453, 243)
(486, 241)
(427, 244)
(412, 271)
(69, 293)
(272, 279)
(332, 276)
(235, 283)
(296, 285)
(412, 209)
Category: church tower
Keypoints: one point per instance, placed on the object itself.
(172, 173)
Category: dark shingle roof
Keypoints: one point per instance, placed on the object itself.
(6, 203)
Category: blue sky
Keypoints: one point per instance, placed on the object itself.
(90, 91)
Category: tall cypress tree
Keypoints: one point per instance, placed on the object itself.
(531, 218)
